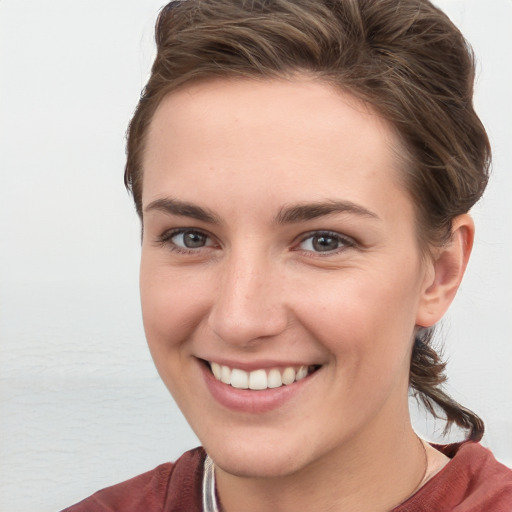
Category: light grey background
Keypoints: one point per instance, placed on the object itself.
(81, 406)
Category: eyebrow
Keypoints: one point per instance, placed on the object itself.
(182, 209)
(308, 211)
(287, 215)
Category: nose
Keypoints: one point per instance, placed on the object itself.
(249, 305)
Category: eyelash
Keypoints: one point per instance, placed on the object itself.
(345, 242)
(166, 240)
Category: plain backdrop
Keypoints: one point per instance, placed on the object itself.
(81, 406)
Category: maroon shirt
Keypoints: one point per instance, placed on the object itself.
(473, 481)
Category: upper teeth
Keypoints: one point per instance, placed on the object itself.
(257, 379)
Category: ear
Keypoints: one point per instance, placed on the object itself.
(445, 272)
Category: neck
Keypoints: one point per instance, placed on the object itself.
(374, 473)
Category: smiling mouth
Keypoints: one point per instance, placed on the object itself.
(260, 379)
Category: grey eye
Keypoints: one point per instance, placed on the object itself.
(323, 242)
(191, 240)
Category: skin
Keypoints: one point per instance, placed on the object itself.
(258, 292)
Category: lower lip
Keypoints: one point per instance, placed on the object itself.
(249, 401)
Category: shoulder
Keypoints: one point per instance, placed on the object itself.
(168, 487)
(473, 481)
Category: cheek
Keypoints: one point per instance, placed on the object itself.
(172, 310)
(368, 317)
(173, 304)
(368, 334)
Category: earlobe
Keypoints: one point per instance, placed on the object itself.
(446, 273)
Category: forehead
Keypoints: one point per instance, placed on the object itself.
(254, 137)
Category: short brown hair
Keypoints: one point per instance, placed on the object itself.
(404, 58)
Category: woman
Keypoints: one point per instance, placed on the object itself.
(303, 172)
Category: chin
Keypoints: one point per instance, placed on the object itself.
(259, 460)
(258, 467)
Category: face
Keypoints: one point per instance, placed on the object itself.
(279, 253)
